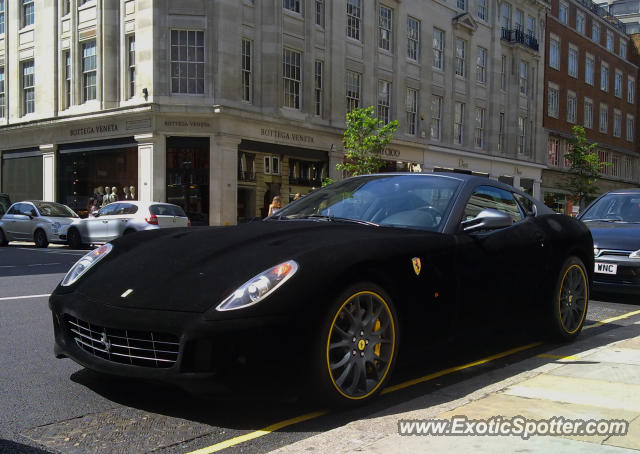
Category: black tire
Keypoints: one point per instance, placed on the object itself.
(74, 240)
(356, 349)
(40, 239)
(570, 301)
(3, 239)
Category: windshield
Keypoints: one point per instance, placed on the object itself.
(414, 201)
(54, 210)
(615, 208)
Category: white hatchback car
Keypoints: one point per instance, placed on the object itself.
(123, 218)
(37, 221)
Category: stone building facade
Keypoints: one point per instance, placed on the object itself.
(218, 105)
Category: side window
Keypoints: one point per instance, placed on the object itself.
(15, 209)
(526, 204)
(109, 209)
(127, 208)
(484, 197)
(27, 209)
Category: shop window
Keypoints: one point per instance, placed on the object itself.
(307, 173)
(247, 167)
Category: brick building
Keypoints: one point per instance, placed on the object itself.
(590, 80)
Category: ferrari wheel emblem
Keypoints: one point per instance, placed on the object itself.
(361, 344)
(417, 265)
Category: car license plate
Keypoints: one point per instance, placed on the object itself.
(606, 268)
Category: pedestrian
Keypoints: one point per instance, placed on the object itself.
(276, 205)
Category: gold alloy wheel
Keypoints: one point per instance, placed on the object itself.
(361, 345)
(572, 298)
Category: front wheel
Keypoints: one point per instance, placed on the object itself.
(74, 240)
(3, 239)
(570, 300)
(40, 238)
(359, 344)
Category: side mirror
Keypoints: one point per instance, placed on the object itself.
(487, 219)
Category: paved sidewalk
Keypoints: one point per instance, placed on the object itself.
(593, 378)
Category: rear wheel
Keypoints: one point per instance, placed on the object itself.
(570, 300)
(74, 240)
(40, 239)
(359, 344)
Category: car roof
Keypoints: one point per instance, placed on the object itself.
(141, 203)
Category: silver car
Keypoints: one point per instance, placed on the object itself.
(122, 218)
(38, 221)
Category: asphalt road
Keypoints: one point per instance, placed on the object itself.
(49, 405)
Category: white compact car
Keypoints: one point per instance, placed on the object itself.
(123, 218)
(37, 221)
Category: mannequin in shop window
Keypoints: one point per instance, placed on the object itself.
(127, 196)
(114, 195)
(98, 195)
(107, 196)
(132, 192)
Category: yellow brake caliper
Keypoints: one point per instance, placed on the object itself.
(377, 347)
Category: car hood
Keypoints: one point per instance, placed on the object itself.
(615, 235)
(194, 269)
(59, 220)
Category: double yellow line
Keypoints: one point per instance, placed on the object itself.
(308, 416)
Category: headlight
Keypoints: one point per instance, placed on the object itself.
(55, 227)
(86, 262)
(635, 254)
(259, 287)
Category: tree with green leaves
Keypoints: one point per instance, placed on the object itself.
(364, 140)
(584, 168)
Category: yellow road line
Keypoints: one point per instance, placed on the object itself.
(550, 356)
(308, 416)
(258, 433)
(612, 319)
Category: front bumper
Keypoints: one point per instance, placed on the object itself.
(626, 280)
(211, 355)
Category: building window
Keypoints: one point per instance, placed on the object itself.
(412, 111)
(3, 112)
(503, 72)
(354, 15)
(628, 168)
(630, 128)
(552, 102)
(458, 124)
(187, 61)
(132, 65)
(272, 165)
(28, 88)
(481, 66)
(89, 73)
(353, 82)
(318, 70)
(524, 69)
(438, 49)
(580, 21)
(589, 70)
(461, 4)
(631, 84)
(1, 17)
(603, 156)
(478, 138)
(617, 84)
(28, 12)
(588, 113)
(518, 20)
(506, 16)
(291, 78)
(67, 78)
(622, 49)
(595, 32)
(604, 118)
(320, 13)
(291, 5)
(609, 41)
(413, 39)
(385, 24)
(554, 53)
(617, 123)
(461, 56)
(66, 7)
(531, 26)
(615, 165)
(573, 62)
(436, 117)
(572, 107)
(553, 152)
(501, 132)
(482, 9)
(604, 77)
(247, 70)
(522, 135)
(384, 101)
(563, 12)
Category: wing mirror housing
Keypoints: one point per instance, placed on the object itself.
(487, 219)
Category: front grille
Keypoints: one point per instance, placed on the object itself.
(139, 348)
(617, 253)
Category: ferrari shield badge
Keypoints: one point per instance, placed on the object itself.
(417, 265)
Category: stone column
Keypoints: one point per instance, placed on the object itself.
(223, 184)
(49, 168)
(152, 167)
(537, 192)
(516, 181)
(335, 157)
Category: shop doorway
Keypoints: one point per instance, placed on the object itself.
(188, 176)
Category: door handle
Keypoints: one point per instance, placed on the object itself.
(105, 222)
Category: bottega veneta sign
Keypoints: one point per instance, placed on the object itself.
(97, 129)
(188, 124)
(285, 135)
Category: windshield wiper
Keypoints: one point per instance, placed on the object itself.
(603, 220)
(324, 217)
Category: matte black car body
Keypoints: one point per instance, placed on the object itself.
(495, 273)
(613, 241)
